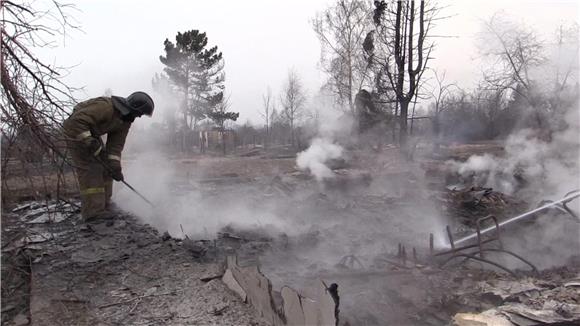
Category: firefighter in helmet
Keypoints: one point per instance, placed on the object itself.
(98, 164)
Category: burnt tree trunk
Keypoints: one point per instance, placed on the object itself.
(403, 124)
(406, 52)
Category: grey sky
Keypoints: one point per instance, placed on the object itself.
(121, 41)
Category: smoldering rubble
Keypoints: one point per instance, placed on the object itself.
(331, 235)
(371, 238)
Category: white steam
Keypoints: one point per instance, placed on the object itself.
(332, 127)
(181, 207)
(315, 157)
(536, 168)
(545, 168)
(525, 159)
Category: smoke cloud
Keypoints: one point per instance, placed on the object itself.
(536, 167)
(332, 128)
(314, 158)
(181, 207)
(531, 166)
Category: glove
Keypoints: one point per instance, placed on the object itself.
(116, 171)
(94, 145)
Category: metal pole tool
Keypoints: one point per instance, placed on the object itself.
(138, 193)
(108, 168)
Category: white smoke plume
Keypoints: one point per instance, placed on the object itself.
(536, 168)
(525, 159)
(180, 207)
(315, 157)
(540, 168)
(332, 128)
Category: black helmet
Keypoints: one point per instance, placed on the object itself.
(138, 103)
(141, 102)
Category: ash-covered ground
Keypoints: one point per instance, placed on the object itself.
(348, 229)
(57, 270)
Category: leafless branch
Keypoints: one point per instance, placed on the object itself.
(35, 100)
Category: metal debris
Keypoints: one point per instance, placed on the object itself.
(477, 251)
(549, 204)
(55, 217)
(350, 262)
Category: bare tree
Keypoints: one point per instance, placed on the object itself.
(401, 50)
(532, 73)
(292, 99)
(341, 29)
(565, 64)
(566, 37)
(514, 50)
(266, 113)
(34, 98)
(440, 93)
(33, 94)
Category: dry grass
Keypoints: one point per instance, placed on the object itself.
(26, 187)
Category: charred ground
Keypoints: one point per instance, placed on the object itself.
(348, 230)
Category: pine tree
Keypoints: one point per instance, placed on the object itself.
(220, 116)
(197, 73)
